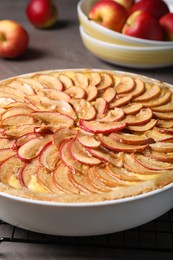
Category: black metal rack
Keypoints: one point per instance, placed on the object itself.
(156, 235)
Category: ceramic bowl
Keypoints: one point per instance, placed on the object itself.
(104, 34)
(128, 56)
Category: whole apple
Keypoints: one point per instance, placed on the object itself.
(143, 25)
(42, 13)
(14, 39)
(126, 3)
(166, 22)
(157, 8)
(109, 14)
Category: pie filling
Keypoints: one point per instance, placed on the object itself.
(84, 135)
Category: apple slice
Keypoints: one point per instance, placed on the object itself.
(5, 153)
(165, 123)
(18, 84)
(143, 128)
(66, 81)
(158, 101)
(44, 178)
(53, 118)
(7, 96)
(95, 78)
(106, 81)
(159, 136)
(6, 101)
(135, 139)
(152, 164)
(120, 101)
(110, 143)
(19, 130)
(17, 111)
(116, 114)
(18, 120)
(150, 93)
(91, 92)
(31, 84)
(163, 115)
(32, 148)
(49, 156)
(109, 94)
(61, 180)
(125, 85)
(81, 154)
(101, 127)
(162, 147)
(132, 108)
(49, 81)
(6, 142)
(84, 109)
(76, 92)
(139, 88)
(67, 158)
(131, 164)
(160, 156)
(23, 139)
(164, 108)
(140, 118)
(105, 155)
(63, 134)
(54, 94)
(101, 106)
(9, 171)
(166, 130)
(14, 92)
(81, 80)
(87, 139)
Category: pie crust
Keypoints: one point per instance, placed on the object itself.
(85, 135)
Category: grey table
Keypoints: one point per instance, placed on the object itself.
(58, 48)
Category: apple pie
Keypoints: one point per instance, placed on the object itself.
(85, 135)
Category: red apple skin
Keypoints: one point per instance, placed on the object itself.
(157, 8)
(109, 14)
(126, 3)
(42, 13)
(143, 25)
(14, 39)
(166, 22)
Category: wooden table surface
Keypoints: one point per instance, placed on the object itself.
(58, 48)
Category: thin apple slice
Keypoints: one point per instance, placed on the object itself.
(135, 139)
(18, 120)
(5, 153)
(61, 180)
(87, 139)
(106, 81)
(81, 154)
(163, 115)
(158, 136)
(110, 143)
(53, 118)
(13, 92)
(105, 155)
(49, 156)
(116, 114)
(91, 92)
(9, 171)
(164, 108)
(131, 164)
(122, 173)
(6, 142)
(32, 148)
(5, 101)
(143, 128)
(165, 123)
(19, 130)
(162, 147)
(31, 84)
(49, 81)
(84, 109)
(81, 80)
(143, 117)
(101, 127)
(120, 101)
(101, 106)
(139, 88)
(63, 134)
(152, 164)
(23, 139)
(67, 158)
(160, 156)
(76, 92)
(7, 96)
(44, 178)
(17, 111)
(66, 81)
(95, 78)
(158, 101)
(125, 85)
(150, 93)
(109, 94)
(54, 94)
(19, 85)
(132, 108)
(166, 130)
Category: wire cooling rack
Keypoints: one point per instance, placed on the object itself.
(156, 235)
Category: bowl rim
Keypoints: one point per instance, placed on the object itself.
(87, 204)
(125, 47)
(114, 34)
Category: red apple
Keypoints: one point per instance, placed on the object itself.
(42, 13)
(157, 8)
(14, 39)
(143, 25)
(109, 14)
(166, 22)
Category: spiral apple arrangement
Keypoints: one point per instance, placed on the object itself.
(146, 19)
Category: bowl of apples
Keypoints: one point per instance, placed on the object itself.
(126, 33)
